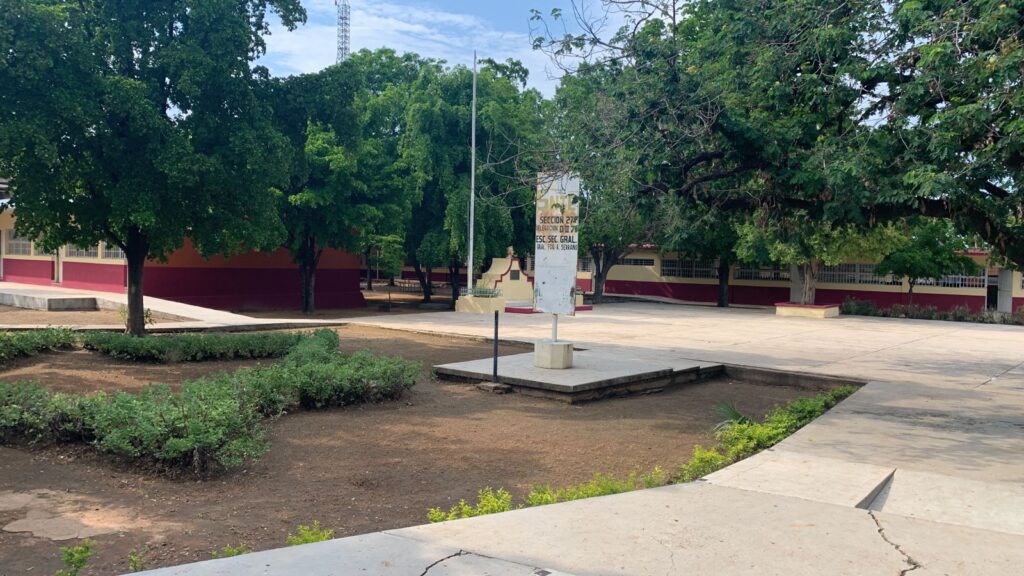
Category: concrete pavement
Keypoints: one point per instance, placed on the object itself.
(920, 471)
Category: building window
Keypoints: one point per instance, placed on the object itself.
(857, 274)
(689, 269)
(18, 245)
(774, 273)
(76, 252)
(955, 281)
(112, 252)
(636, 261)
(585, 264)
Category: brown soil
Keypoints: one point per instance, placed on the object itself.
(356, 470)
(10, 315)
(377, 304)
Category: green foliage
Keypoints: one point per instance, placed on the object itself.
(731, 415)
(488, 501)
(229, 551)
(76, 557)
(309, 534)
(741, 439)
(115, 132)
(192, 347)
(212, 423)
(857, 307)
(932, 249)
(30, 342)
(136, 560)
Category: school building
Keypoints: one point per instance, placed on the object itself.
(250, 281)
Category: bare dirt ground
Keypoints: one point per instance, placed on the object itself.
(355, 470)
(377, 304)
(10, 315)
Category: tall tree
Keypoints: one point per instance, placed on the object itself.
(137, 123)
(436, 150)
(930, 250)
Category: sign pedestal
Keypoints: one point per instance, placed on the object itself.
(553, 355)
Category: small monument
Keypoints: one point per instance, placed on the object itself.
(557, 245)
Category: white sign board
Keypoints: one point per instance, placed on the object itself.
(557, 245)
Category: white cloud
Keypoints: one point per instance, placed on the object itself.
(429, 32)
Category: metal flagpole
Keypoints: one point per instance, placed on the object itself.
(472, 187)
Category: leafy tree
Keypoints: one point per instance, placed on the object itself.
(930, 250)
(435, 149)
(138, 124)
(701, 232)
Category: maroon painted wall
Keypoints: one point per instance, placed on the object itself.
(28, 271)
(251, 288)
(689, 292)
(95, 276)
(1018, 303)
(885, 299)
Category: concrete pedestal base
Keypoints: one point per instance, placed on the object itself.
(807, 310)
(479, 305)
(552, 355)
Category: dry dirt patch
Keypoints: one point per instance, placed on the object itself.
(10, 315)
(375, 467)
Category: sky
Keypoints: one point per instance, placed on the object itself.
(444, 29)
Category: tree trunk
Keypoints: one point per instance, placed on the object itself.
(453, 275)
(135, 251)
(369, 271)
(809, 281)
(603, 262)
(910, 294)
(308, 258)
(723, 283)
(424, 280)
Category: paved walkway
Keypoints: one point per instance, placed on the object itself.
(919, 472)
(201, 318)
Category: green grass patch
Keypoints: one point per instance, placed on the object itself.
(15, 345)
(738, 437)
(211, 423)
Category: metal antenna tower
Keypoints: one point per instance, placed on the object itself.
(344, 29)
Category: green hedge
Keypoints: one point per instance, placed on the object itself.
(21, 344)
(211, 423)
(736, 440)
(192, 347)
(855, 307)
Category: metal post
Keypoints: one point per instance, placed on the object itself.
(472, 186)
(495, 347)
(554, 328)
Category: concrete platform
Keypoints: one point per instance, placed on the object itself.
(595, 374)
(48, 301)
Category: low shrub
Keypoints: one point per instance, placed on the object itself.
(76, 557)
(488, 501)
(193, 347)
(923, 312)
(31, 342)
(741, 439)
(211, 423)
(229, 551)
(310, 534)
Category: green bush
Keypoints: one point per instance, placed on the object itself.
(206, 424)
(918, 312)
(76, 557)
(211, 423)
(487, 502)
(31, 342)
(229, 551)
(741, 439)
(310, 534)
(193, 347)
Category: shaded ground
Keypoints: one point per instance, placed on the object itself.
(12, 315)
(355, 470)
(377, 304)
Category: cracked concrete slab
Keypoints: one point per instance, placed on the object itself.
(802, 476)
(378, 553)
(692, 529)
(944, 549)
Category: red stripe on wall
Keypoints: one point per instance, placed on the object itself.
(1018, 304)
(95, 276)
(688, 292)
(943, 302)
(251, 288)
(28, 271)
